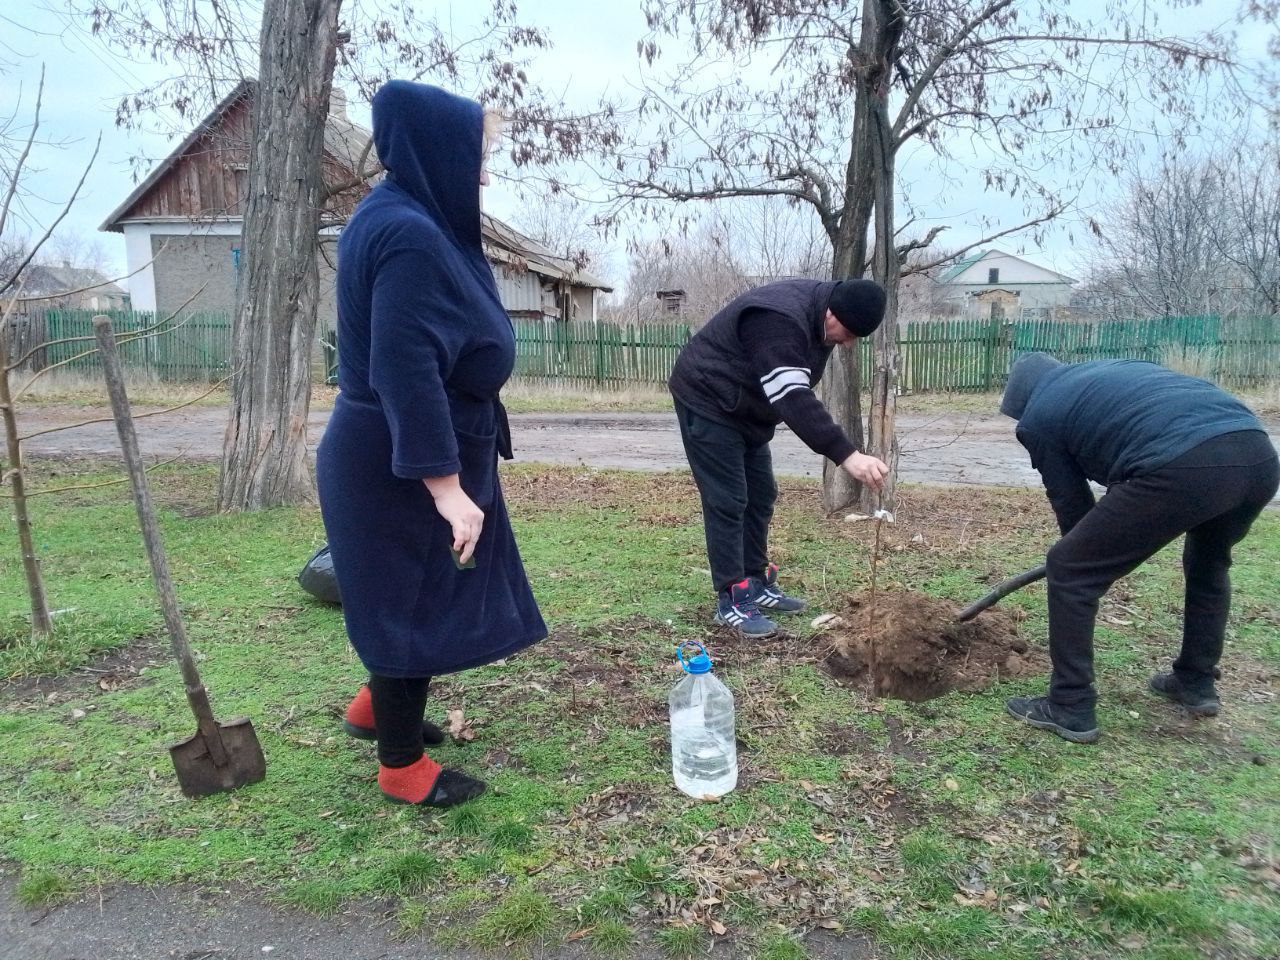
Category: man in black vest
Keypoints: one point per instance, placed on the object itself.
(1177, 455)
(752, 366)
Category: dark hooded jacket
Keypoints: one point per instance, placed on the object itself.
(424, 347)
(1110, 421)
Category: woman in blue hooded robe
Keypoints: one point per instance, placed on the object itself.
(431, 578)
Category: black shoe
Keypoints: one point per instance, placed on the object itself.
(1199, 703)
(1077, 724)
(736, 607)
(452, 788)
(358, 722)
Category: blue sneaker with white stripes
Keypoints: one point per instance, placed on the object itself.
(737, 608)
(770, 596)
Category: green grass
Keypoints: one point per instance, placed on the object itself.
(41, 887)
(682, 943)
(524, 917)
(611, 937)
(940, 829)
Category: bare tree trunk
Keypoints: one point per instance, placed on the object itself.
(883, 24)
(843, 379)
(883, 440)
(868, 190)
(264, 455)
(41, 622)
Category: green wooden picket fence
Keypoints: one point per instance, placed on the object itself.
(975, 355)
(582, 353)
(936, 356)
(196, 347)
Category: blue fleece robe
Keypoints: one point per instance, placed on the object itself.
(425, 345)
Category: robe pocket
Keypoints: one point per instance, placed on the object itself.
(478, 454)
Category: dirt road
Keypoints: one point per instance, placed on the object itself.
(949, 448)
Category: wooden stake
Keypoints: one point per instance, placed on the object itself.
(41, 622)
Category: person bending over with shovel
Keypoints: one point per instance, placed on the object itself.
(1178, 456)
(752, 366)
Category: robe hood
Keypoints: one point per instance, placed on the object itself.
(431, 143)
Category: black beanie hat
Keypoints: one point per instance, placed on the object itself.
(858, 305)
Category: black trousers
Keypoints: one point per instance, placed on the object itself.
(398, 706)
(1212, 493)
(735, 481)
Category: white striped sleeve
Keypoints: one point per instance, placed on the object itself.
(780, 381)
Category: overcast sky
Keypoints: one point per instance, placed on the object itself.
(594, 53)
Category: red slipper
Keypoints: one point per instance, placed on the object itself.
(425, 783)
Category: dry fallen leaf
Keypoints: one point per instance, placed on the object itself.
(718, 928)
(459, 728)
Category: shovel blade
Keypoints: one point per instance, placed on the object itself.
(200, 776)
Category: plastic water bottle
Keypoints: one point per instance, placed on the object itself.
(704, 750)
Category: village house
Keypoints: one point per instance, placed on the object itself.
(993, 284)
(47, 286)
(183, 224)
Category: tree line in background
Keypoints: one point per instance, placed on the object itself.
(1194, 236)
(1188, 236)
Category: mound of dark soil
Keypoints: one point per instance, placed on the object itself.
(910, 647)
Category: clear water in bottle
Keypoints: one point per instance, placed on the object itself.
(704, 752)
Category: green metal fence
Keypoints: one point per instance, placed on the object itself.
(936, 356)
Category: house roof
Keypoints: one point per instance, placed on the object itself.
(960, 266)
(506, 244)
(41, 280)
(113, 221)
(345, 141)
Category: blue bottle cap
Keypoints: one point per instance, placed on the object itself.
(699, 663)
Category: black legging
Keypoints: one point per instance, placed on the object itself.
(398, 705)
(1212, 493)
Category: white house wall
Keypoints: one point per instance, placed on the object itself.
(1013, 270)
(1033, 296)
(201, 253)
(138, 253)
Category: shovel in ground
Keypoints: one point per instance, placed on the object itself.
(218, 756)
(1000, 592)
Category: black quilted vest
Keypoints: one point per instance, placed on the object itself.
(714, 377)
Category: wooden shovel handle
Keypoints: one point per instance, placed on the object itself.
(196, 694)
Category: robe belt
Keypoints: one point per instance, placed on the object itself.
(504, 430)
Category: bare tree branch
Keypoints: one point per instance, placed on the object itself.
(57, 220)
(956, 254)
